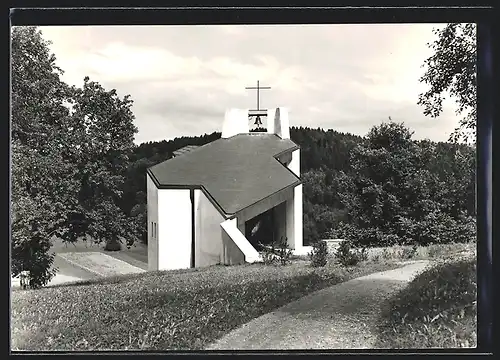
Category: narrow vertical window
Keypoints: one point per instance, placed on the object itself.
(156, 234)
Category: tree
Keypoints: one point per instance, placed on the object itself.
(398, 192)
(41, 179)
(68, 166)
(452, 69)
(135, 184)
(140, 217)
(101, 125)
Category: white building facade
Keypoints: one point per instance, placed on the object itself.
(199, 202)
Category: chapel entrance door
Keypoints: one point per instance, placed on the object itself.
(261, 229)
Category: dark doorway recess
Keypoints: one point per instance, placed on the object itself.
(260, 229)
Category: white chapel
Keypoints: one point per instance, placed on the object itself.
(199, 203)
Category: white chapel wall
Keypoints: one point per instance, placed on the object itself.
(174, 229)
(294, 207)
(235, 122)
(294, 220)
(152, 215)
(298, 208)
(208, 240)
(294, 164)
(278, 123)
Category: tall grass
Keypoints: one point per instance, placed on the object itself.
(437, 309)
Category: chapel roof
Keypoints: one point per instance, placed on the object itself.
(184, 150)
(237, 171)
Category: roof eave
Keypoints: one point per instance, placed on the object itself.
(293, 185)
(189, 187)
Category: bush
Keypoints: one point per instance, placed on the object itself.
(284, 252)
(436, 227)
(32, 261)
(409, 252)
(465, 230)
(268, 256)
(344, 231)
(349, 256)
(407, 230)
(138, 215)
(364, 237)
(319, 254)
(113, 245)
(441, 228)
(277, 253)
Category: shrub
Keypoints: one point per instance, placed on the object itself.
(138, 215)
(388, 253)
(363, 237)
(113, 245)
(277, 253)
(32, 261)
(389, 240)
(284, 252)
(409, 252)
(407, 229)
(319, 254)
(466, 229)
(344, 231)
(268, 255)
(440, 228)
(437, 227)
(376, 258)
(349, 256)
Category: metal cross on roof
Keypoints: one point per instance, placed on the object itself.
(258, 112)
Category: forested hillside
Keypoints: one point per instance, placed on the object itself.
(381, 188)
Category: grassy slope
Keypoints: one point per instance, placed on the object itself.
(163, 310)
(436, 310)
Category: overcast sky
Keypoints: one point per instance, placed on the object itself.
(183, 78)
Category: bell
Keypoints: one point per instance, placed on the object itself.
(257, 121)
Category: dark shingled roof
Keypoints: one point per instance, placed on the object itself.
(185, 149)
(237, 172)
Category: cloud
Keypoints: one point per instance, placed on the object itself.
(183, 78)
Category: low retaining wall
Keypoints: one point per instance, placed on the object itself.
(302, 251)
(332, 245)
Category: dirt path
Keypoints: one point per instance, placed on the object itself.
(338, 317)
